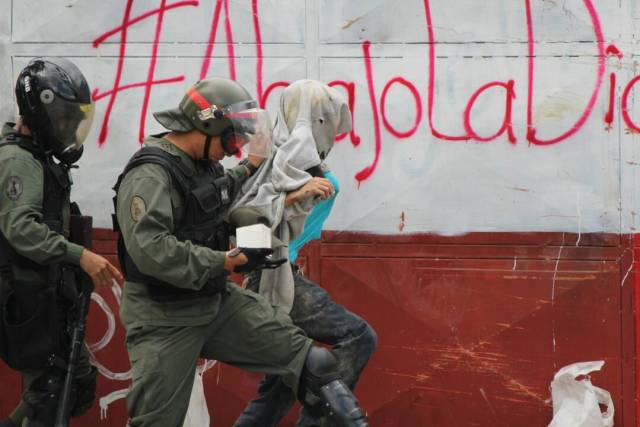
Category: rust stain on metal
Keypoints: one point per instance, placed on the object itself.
(576, 278)
(401, 225)
(519, 388)
(444, 390)
(509, 326)
(524, 190)
(481, 361)
(558, 279)
(418, 377)
(518, 401)
(486, 399)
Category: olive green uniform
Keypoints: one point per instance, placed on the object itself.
(21, 178)
(21, 198)
(164, 339)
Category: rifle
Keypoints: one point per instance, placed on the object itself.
(77, 287)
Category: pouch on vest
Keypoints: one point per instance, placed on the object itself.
(33, 338)
(206, 197)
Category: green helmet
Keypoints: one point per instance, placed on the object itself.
(218, 106)
(213, 93)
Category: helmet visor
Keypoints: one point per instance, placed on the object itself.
(70, 121)
(251, 126)
(233, 142)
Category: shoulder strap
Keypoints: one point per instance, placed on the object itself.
(178, 171)
(171, 163)
(23, 142)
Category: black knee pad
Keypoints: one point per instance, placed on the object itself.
(323, 392)
(341, 407)
(320, 368)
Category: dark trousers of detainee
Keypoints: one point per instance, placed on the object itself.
(353, 342)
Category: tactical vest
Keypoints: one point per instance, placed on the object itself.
(56, 190)
(206, 196)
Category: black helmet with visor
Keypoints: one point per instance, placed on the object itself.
(54, 101)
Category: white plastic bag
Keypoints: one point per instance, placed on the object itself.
(198, 413)
(575, 403)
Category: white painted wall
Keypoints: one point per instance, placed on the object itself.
(584, 183)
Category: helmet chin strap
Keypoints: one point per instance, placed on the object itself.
(207, 145)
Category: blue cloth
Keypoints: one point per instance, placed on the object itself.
(315, 221)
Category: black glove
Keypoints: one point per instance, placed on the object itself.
(258, 259)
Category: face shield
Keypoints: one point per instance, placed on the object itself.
(248, 126)
(70, 121)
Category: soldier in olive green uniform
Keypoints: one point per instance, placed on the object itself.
(178, 303)
(35, 251)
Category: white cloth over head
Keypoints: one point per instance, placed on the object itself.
(310, 116)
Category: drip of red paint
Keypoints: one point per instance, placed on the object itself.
(613, 50)
(366, 172)
(608, 117)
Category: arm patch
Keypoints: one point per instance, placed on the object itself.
(14, 188)
(138, 208)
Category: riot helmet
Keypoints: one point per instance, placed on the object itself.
(221, 107)
(54, 101)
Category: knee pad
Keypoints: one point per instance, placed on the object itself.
(322, 391)
(341, 406)
(320, 368)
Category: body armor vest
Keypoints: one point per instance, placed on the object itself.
(206, 196)
(56, 189)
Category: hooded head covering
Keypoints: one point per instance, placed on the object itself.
(311, 114)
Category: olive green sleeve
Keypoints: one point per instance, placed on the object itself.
(21, 212)
(237, 176)
(145, 217)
